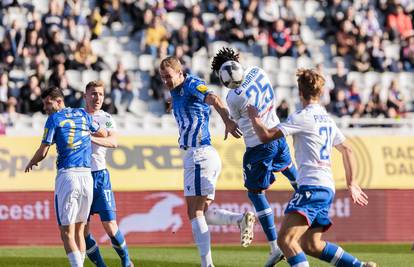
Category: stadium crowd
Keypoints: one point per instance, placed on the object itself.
(40, 50)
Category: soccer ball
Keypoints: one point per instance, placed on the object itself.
(231, 74)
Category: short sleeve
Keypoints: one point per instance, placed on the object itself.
(339, 137)
(49, 131)
(234, 109)
(199, 89)
(110, 123)
(292, 125)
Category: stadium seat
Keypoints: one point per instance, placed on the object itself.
(406, 80)
(200, 65)
(208, 18)
(75, 79)
(105, 76)
(249, 59)
(98, 47)
(146, 62)
(111, 61)
(175, 19)
(287, 64)
(386, 79)
(89, 75)
(356, 76)
(392, 51)
(304, 62)
(270, 64)
(283, 93)
(371, 78)
(215, 46)
(286, 79)
(130, 61)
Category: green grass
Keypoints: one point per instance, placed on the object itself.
(387, 255)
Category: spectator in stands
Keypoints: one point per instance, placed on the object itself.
(121, 88)
(55, 50)
(40, 72)
(379, 61)
(334, 15)
(345, 38)
(197, 35)
(57, 75)
(375, 107)
(6, 55)
(10, 115)
(95, 22)
(339, 79)
(229, 30)
(52, 21)
(279, 39)
(155, 34)
(361, 60)
(30, 96)
(355, 107)
(396, 99)
(33, 53)
(298, 48)
(85, 58)
(282, 110)
(182, 38)
(407, 54)
(16, 38)
(76, 32)
(399, 24)
(110, 10)
(339, 107)
(372, 23)
(4, 90)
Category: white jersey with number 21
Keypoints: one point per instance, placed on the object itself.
(314, 134)
(256, 90)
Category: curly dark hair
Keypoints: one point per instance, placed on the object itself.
(223, 55)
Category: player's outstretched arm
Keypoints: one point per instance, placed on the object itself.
(110, 141)
(40, 154)
(265, 135)
(358, 196)
(231, 125)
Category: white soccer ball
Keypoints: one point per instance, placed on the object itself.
(231, 74)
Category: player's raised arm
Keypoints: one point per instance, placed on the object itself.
(40, 154)
(231, 125)
(265, 135)
(358, 196)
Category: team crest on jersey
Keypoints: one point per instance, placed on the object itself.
(202, 88)
(108, 124)
(308, 194)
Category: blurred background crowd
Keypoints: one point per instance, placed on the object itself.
(364, 48)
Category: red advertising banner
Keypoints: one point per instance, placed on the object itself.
(28, 218)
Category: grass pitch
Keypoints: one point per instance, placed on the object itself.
(386, 255)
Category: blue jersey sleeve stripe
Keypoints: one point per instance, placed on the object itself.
(197, 129)
(190, 122)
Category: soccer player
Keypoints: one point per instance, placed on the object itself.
(103, 198)
(70, 130)
(191, 102)
(261, 159)
(306, 216)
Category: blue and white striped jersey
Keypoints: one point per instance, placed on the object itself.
(191, 113)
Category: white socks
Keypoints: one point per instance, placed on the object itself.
(201, 237)
(273, 246)
(75, 259)
(83, 256)
(222, 217)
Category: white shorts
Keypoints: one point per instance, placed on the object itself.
(202, 167)
(73, 195)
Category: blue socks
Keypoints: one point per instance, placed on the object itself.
(336, 256)
(92, 250)
(299, 260)
(119, 244)
(265, 214)
(292, 173)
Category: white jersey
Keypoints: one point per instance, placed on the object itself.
(256, 90)
(104, 120)
(314, 134)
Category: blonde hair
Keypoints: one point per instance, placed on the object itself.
(171, 62)
(310, 83)
(94, 84)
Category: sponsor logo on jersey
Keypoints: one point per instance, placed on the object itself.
(202, 88)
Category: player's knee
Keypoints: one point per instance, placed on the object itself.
(285, 240)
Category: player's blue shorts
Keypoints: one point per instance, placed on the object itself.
(261, 161)
(312, 202)
(103, 197)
